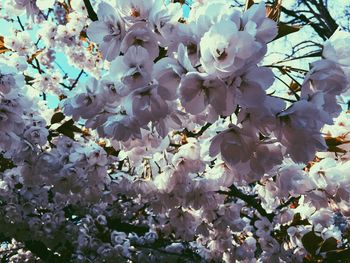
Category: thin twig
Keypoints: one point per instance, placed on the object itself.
(76, 80)
(20, 23)
(289, 100)
(293, 91)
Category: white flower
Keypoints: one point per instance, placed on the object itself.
(140, 35)
(323, 216)
(250, 90)
(163, 181)
(86, 103)
(337, 48)
(48, 82)
(122, 128)
(20, 42)
(118, 238)
(163, 20)
(202, 18)
(265, 157)
(269, 244)
(258, 25)
(108, 31)
(146, 105)
(47, 33)
(293, 181)
(167, 72)
(9, 79)
(326, 76)
(197, 91)
(96, 156)
(235, 145)
(36, 135)
(26, 5)
(135, 10)
(110, 92)
(264, 227)
(133, 69)
(300, 126)
(305, 114)
(45, 4)
(225, 50)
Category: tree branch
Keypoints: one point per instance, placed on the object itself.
(199, 133)
(20, 23)
(76, 80)
(249, 199)
(321, 20)
(91, 13)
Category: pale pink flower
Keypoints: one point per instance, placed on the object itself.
(235, 145)
(108, 31)
(225, 50)
(197, 91)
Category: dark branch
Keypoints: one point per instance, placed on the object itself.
(76, 80)
(318, 17)
(290, 201)
(91, 13)
(199, 133)
(20, 23)
(250, 200)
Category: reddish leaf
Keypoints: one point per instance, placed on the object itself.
(284, 30)
(248, 4)
(3, 49)
(35, 55)
(274, 12)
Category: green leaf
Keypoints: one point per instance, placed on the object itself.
(311, 242)
(297, 221)
(57, 117)
(28, 79)
(68, 128)
(38, 248)
(334, 142)
(111, 151)
(329, 244)
(339, 255)
(5, 164)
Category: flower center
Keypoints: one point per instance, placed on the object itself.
(221, 54)
(135, 12)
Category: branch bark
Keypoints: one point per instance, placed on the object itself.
(321, 20)
(250, 200)
(91, 13)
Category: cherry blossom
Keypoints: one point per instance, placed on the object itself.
(108, 31)
(175, 137)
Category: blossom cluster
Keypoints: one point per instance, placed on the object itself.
(174, 149)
